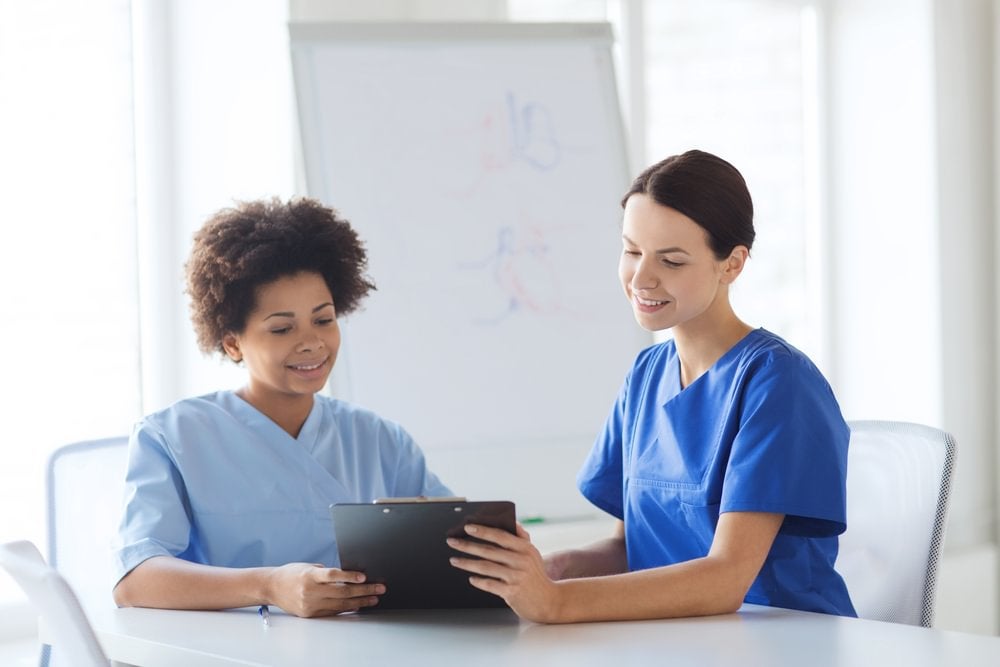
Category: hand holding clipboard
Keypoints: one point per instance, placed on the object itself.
(401, 542)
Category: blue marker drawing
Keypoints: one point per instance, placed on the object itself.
(522, 133)
(533, 134)
(521, 267)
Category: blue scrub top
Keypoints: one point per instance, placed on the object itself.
(213, 480)
(760, 431)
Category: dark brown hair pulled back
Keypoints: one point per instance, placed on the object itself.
(706, 189)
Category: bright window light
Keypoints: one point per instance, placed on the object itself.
(67, 259)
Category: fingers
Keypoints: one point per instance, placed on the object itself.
(332, 575)
(336, 584)
(494, 554)
(354, 590)
(347, 583)
(306, 589)
(488, 585)
(486, 551)
(339, 598)
(498, 536)
(485, 568)
(494, 544)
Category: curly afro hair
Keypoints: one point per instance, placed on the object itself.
(254, 243)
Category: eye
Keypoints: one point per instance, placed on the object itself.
(672, 265)
(324, 321)
(630, 253)
(280, 331)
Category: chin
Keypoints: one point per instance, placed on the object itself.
(652, 325)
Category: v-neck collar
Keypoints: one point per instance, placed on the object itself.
(257, 420)
(674, 366)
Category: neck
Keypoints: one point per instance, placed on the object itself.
(289, 411)
(700, 343)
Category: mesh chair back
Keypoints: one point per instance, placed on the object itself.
(85, 484)
(898, 482)
(52, 597)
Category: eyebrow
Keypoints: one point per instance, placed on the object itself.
(291, 314)
(661, 251)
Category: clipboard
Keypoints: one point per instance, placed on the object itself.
(402, 544)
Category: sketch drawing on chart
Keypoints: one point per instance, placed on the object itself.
(521, 266)
(533, 134)
(503, 137)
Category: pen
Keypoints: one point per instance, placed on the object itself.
(265, 614)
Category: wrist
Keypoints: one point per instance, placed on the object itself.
(558, 606)
(262, 584)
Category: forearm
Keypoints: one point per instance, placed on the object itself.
(172, 583)
(700, 587)
(715, 584)
(594, 560)
(601, 558)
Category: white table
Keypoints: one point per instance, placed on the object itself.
(754, 636)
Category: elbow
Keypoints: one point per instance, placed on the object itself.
(120, 595)
(727, 597)
(123, 594)
(730, 604)
(732, 599)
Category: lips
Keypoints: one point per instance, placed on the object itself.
(650, 303)
(307, 366)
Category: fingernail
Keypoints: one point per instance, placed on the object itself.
(452, 560)
(471, 529)
(360, 578)
(380, 589)
(451, 541)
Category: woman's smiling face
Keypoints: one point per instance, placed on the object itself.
(668, 271)
(291, 338)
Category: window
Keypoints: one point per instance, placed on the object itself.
(67, 259)
(736, 78)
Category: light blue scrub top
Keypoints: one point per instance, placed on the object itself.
(761, 431)
(213, 480)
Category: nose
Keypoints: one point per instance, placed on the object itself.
(310, 341)
(645, 277)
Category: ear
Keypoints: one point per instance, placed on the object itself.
(733, 265)
(231, 344)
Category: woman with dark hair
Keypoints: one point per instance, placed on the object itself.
(724, 458)
(228, 494)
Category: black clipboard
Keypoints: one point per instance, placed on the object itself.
(402, 544)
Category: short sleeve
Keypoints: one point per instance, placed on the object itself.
(413, 478)
(155, 521)
(790, 452)
(601, 480)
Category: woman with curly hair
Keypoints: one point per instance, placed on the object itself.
(228, 494)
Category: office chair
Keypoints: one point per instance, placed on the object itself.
(898, 482)
(55, 601)
(84, 485)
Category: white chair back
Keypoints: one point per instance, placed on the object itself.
(898, 482)
(53, 598)
(85, 485)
